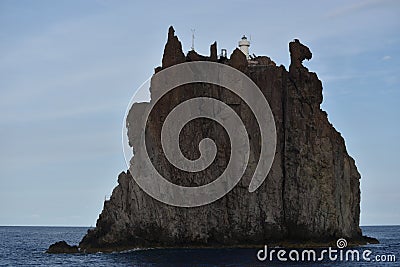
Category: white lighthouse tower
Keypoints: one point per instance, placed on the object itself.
(244, 46)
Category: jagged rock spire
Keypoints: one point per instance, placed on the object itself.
(238, 60)
(173, 53)
(298, 52)
(213, 52)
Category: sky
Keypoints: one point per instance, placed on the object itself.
(69, 68)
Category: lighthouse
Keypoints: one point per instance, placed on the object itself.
(244, 46)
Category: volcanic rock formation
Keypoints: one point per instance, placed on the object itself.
(312, 192)
(62, 247)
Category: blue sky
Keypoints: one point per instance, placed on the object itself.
(69, 68)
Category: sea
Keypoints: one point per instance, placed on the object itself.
(26, 246)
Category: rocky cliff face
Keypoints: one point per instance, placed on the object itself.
(312, 192)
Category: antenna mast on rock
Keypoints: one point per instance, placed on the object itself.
(193, 30)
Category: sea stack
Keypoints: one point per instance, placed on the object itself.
(311, 194)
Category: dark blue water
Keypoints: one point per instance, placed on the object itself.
(25, 246)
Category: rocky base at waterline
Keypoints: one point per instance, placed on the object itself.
(64, 248)
(310, 196)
